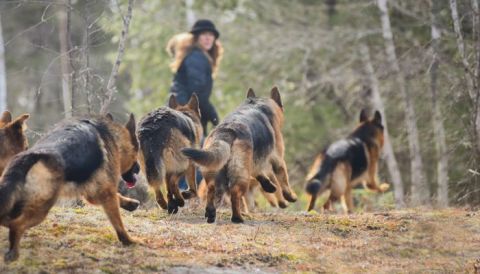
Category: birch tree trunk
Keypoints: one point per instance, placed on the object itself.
(438, 129)
(470, 76)
(86, 58)
(3, 72)
(419, 190)
(64, 59)
(377, 103)
(190, 14)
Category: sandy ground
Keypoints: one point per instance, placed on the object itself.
(82, 241)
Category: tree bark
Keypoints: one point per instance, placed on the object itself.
(476, 74)
(377, 103)
(420, 191)
(111, 85)
(190, 14)
(438, 129)
(64, 59)
(470, 76)
(86, 57)
(3, 72)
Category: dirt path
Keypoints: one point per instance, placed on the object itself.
(82, 241)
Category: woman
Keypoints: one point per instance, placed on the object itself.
(197, 56)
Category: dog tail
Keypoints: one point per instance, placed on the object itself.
(12, 182)
(153, 163)
(318, 182)
(216, 154)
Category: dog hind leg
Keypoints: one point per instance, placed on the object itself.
(190, 175)
(210, 210)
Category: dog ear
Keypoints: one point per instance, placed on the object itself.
(130, 126)
(109, 116)
(363, 115)
(275, 95)
(172, 102)
(377, 118)
(193, 103)
(6, 117)
(251, 93)
(19, 122)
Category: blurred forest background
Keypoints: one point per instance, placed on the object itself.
(418, 61)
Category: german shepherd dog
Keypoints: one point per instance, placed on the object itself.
(162, 134)
(348, 162)
(12, 137)
(78, 157)
(247, 145)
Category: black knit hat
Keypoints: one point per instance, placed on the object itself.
(204, 25)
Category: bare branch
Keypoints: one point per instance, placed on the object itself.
(111, 85)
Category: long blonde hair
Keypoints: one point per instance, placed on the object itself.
(180, 45)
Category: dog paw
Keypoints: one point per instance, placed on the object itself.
(129, 242)
(131, 205)
(384, 187)
(172, 207)
(237, 219)
(210, 214)
(162, 204)
(11, 256)
(290, 196)
(180, 202)
(188, 194)
(283, 204)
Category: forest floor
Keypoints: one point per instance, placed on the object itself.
(81, 240)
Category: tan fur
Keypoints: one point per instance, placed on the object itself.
(44, 184)
(12, 137)
(175, 164)
(339, 183)
(241, 166)
(5, 119)
(180, 45)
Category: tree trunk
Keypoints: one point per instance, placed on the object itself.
(190, 14)
(111, 85)
(438, 129)
(72, 59)
(3, 72)
(377, 103)
(64, 59)
(476, 76)
(470, 77)
(86, 57)
(420, 190)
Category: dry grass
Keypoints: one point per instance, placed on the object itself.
(82, 241)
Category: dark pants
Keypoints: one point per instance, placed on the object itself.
(182, 183)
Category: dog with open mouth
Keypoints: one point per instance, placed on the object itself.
(79, 157)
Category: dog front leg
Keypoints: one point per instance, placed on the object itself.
(128, 203)
(110, 204)
(372, 183)
(311, 205)
(280, 170)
